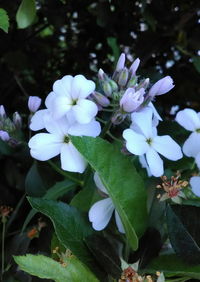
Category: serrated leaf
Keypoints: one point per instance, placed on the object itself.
(171, 265)
(4, 20)
(71, 227)
(44, 267)
(26, 13)
(123, 183)
(184, 231)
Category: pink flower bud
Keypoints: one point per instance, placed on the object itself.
(34, 103)
(162, 86)
(131, 100)
(2, 112)
(134, 67)
(100, 99)
(4, 135)
(121, 62)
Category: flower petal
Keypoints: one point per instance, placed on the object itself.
(92, 129)
(188, 119)
(100, 213)
(119, 222)
(167, 147)
(191, 147)
(37, 120)
(58, 127)
(81, 87)
(135, 143)
(144, 164)
(197, 160)
(195, 184)
(63, 86)
(71, 159)
(99, 183)
(155, 112)
(155, 163)
(61, 105)
(44, 146)
(84, 111)
(143, 120)
(49, 100)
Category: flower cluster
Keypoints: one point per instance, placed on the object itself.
(68, 112)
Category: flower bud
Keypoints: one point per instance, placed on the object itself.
(2, 112)
(100, 99)
(17, 120)
(123, 77)
(4, 135)
(133, 68)
(34, 103)
(101, 74)
(162, 86)
(132, 82)
(131, 100)
(107, 88)
(118, 117)
(121, 62)
(114, 85)
(143, 84)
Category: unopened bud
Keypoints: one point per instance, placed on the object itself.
(100, 99)
(133, 68)
(2, 112)
(121, 62)
(143, 84)
(162, 86)
(17, 120)
(34, 103)
(118, 117)
(107, 88)
(132, 82)
(131, 100)
(102, 75)
(4, 135)
(114, 85)
(123, 77)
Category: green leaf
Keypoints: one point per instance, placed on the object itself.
(44, 267)
(171, 265)
(26, 13)
(4, 20)
(123, 183)
(33, 183)
(196, 62)
(184, 231)
(70, 225)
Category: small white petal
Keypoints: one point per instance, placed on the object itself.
(58, 127)
(61, 105)
(63, 86)
(197, 160)
(119, 223)
(155, 163)
(195, 184)
(191, 147)
(71, 159)
(155, 112)
(84, 111)
(44, 146)
(100, 213)
(49, 100)
(81, 87)
(144, 164)
(167, 147)
(92, 129)
(188, 119)
(135, 143)
(37, 120)
(143, 120)
(99, 183)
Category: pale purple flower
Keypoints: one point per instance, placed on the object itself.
(131, 100)
(134, 67)
(101, 212)
(121, 62)
(4, 135)
(162, 86)
(195, 184)
(34, 103)
(100, 99)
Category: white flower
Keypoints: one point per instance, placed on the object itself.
(101, 212)
(162, 86)
(69, 98)
(190, 120)
(195, 184)
(34, 103)
(45, 146)
(131, 100)
(144, 140)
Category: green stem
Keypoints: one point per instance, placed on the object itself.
(3, 246)
(106, 128)
(113, 137)
(65, 174)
